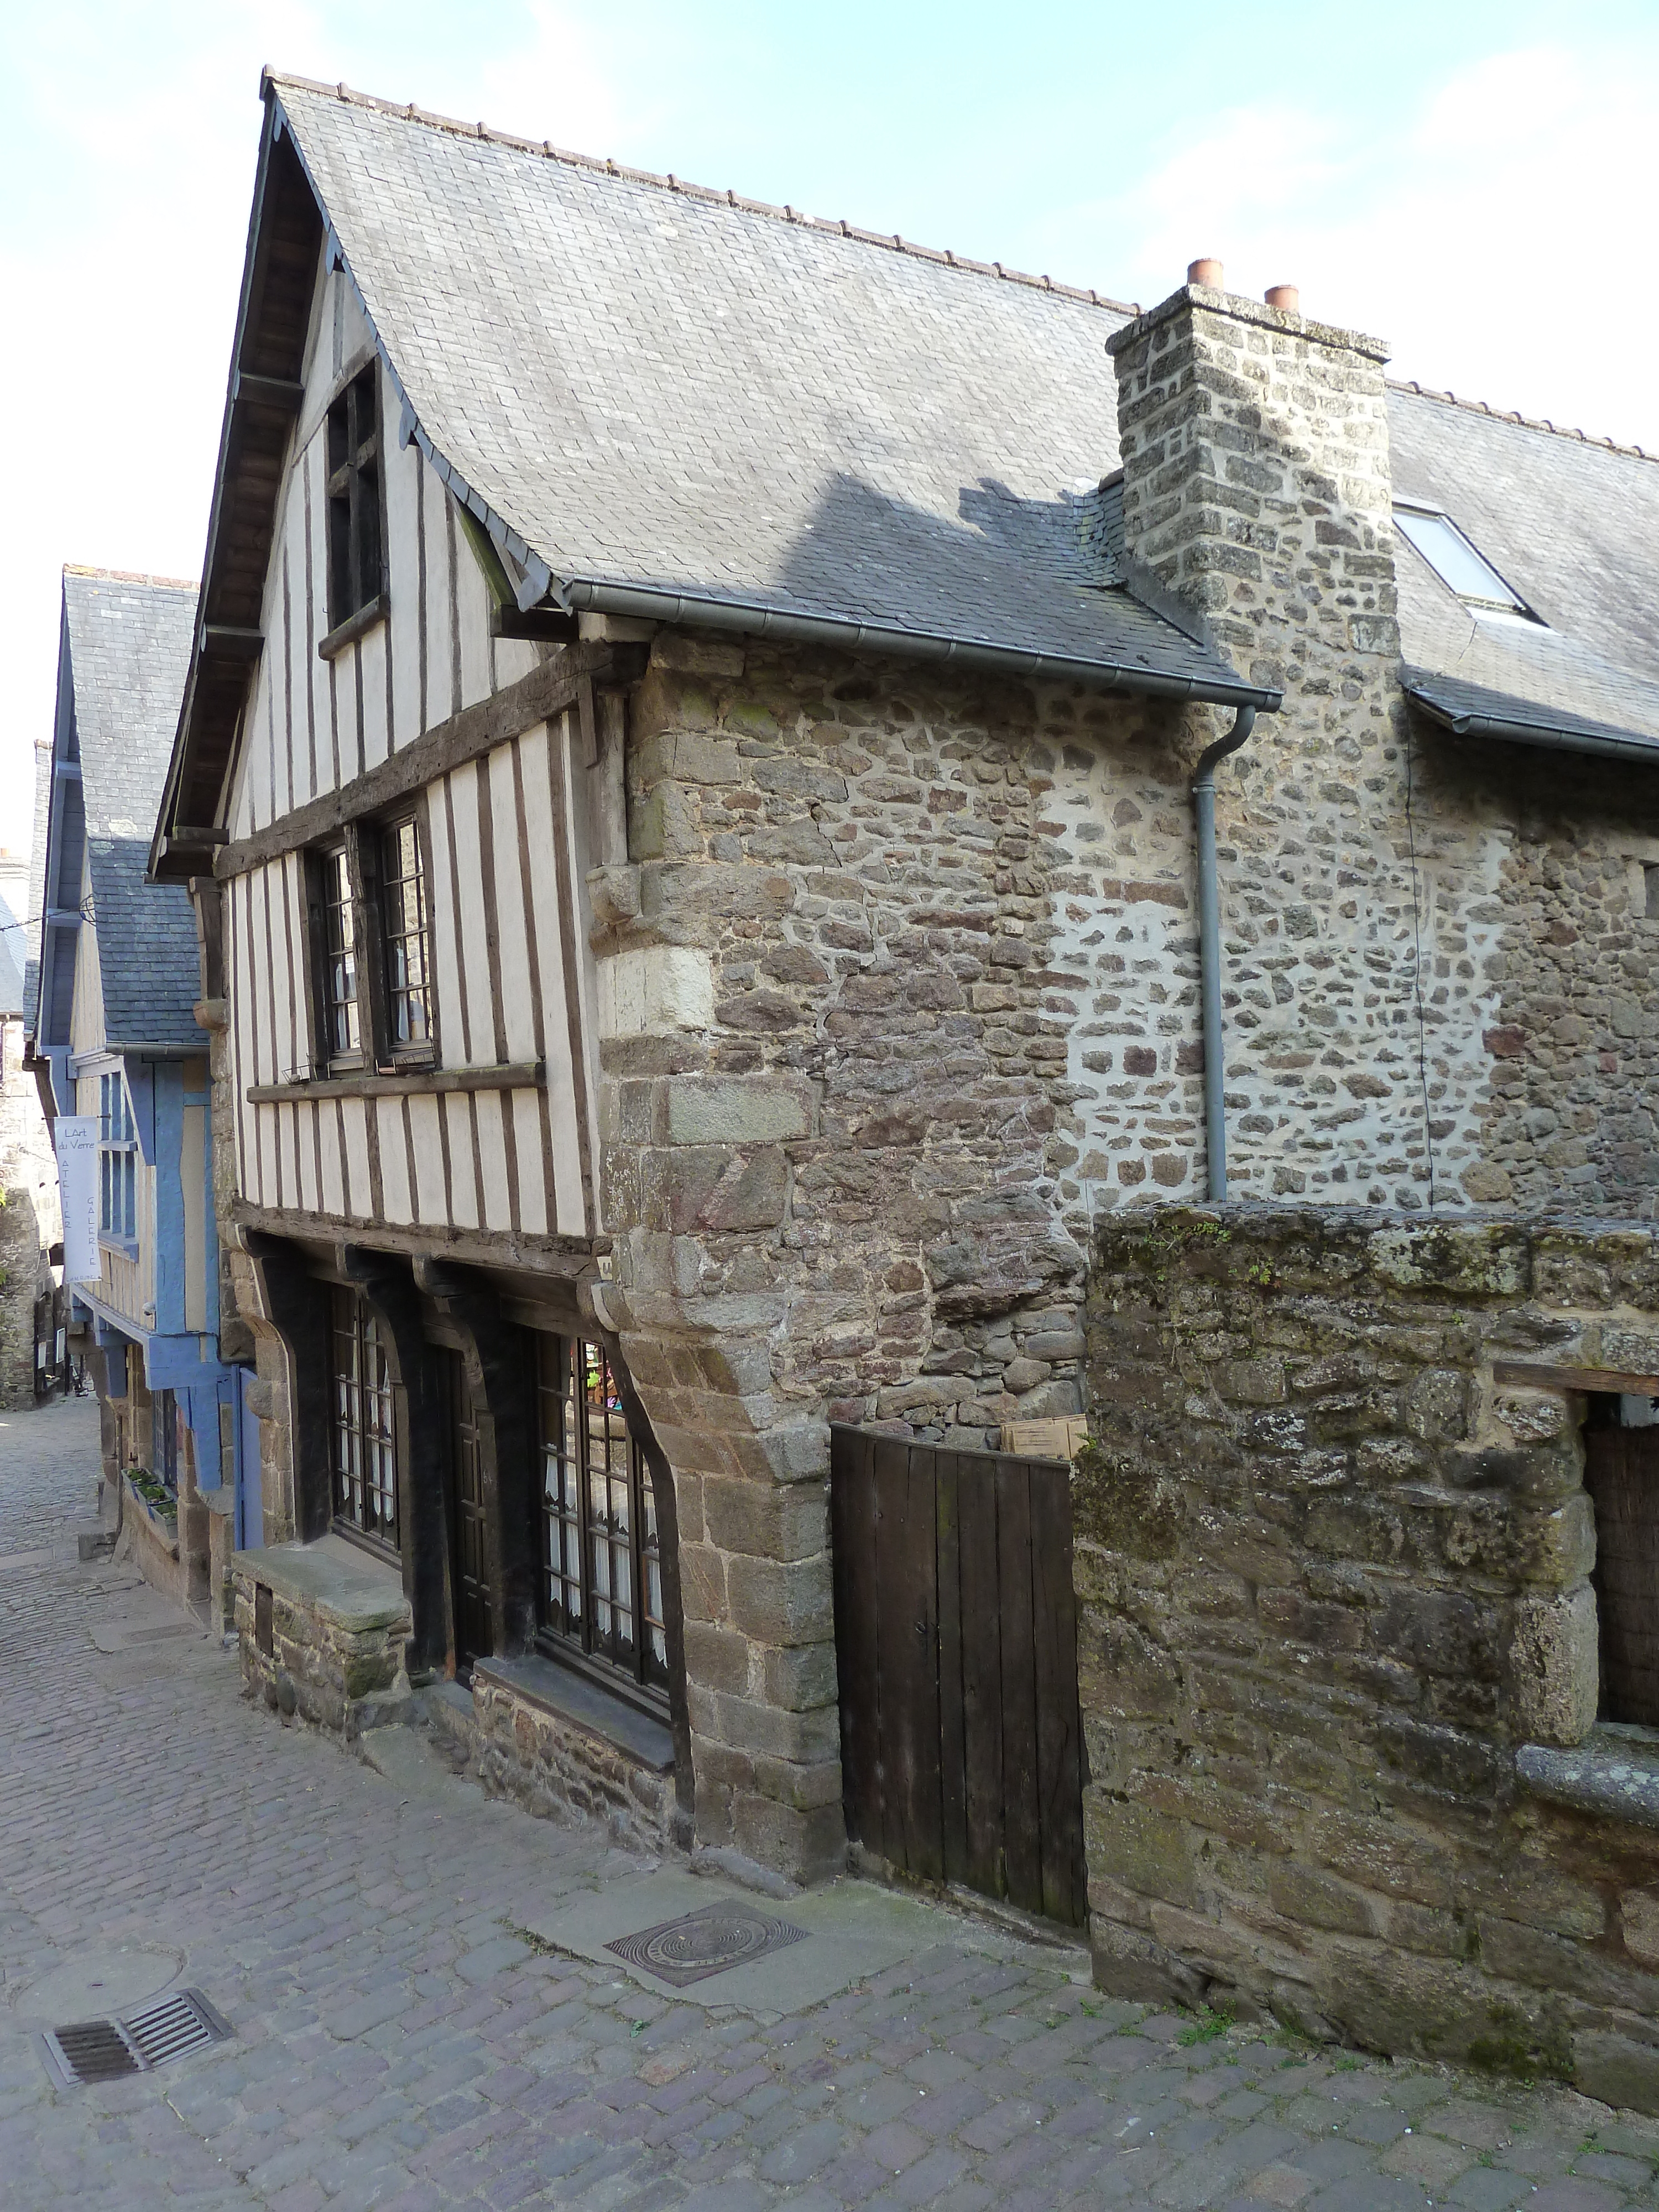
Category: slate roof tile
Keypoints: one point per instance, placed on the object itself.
(128, 643)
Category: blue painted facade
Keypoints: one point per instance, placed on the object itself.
(118, 979)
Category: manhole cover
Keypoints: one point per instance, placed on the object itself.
(100, 1981)
(104, 2050)
(710, 1942)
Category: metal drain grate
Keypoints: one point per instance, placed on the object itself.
(104, 2050)
(711, 1941)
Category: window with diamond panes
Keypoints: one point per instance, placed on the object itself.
(365, 1448)
(601, 1559)
(402, 918)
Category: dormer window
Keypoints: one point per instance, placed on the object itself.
(1460, 568)
(355, 567)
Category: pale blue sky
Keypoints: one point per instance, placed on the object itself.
(1474, 180)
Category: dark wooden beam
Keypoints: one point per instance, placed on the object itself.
(490, 1247)
(224, 642)
(515, 1075)
(1531, 1374)
(283, 393)
(545, 692)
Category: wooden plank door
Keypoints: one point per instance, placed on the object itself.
(469, 1580)
(955, 1643)
(1621, 1472)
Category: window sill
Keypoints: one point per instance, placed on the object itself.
(123, 1247)
(583, 1703)
(515, 1075)
(1613, 1772)
(354, 627)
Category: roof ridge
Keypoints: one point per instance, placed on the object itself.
(1525, 422)
(132, 576)
(890, 242)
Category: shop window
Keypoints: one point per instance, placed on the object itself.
(364, 1445)
(601, 1583)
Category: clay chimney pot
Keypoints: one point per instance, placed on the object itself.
(1206, 272)
(1285, 297)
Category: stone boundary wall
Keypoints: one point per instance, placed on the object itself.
(341, 1672)
(1331, 1578)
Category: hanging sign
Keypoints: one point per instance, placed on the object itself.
(76, 1139)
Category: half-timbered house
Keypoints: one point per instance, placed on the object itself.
(701, 767)
(114, 1024)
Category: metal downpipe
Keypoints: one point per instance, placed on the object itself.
(1209, 952)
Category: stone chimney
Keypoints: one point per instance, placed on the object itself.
(1255, 482)
(1256, 491)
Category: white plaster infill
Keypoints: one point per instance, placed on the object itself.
(1613, 1772)
(350, 1589)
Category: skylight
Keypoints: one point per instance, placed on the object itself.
(1456, 563)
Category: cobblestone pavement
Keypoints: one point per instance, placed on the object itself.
(396, 2043)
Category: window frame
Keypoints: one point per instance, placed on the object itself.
(352, 1321)
(117, 1163)
(1511, 604)
(355, 490)
(361, 848)
(566, 1520)
(413, 1051)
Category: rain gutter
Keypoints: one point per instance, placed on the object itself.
(1209, 951)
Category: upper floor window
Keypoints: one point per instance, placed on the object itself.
(371, 949)
(355, 560)
(403, 924)
(118, 1160)
(364, 1443)
(1456, 562)
(601, 1585)
(342, 1027)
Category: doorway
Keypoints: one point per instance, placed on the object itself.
(469, 1579)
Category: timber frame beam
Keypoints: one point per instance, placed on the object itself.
(547, 690)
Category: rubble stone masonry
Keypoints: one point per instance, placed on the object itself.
(1331, 1576)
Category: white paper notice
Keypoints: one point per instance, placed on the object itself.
(76, 1139)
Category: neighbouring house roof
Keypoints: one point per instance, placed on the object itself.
(1571, 524)
(127, 642)
(43, 754)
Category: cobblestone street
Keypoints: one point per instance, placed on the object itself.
(395, 2043)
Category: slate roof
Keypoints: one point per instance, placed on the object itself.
(1572, 526)
(672, 391)
(129, 641)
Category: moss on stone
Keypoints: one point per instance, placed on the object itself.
(1120, 1504)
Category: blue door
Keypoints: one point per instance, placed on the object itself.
(250, 1510)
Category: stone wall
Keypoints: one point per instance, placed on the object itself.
(899, 983)
(1572, 1037)
(521, 1749)
(1331, 1576)
(335, 1651)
